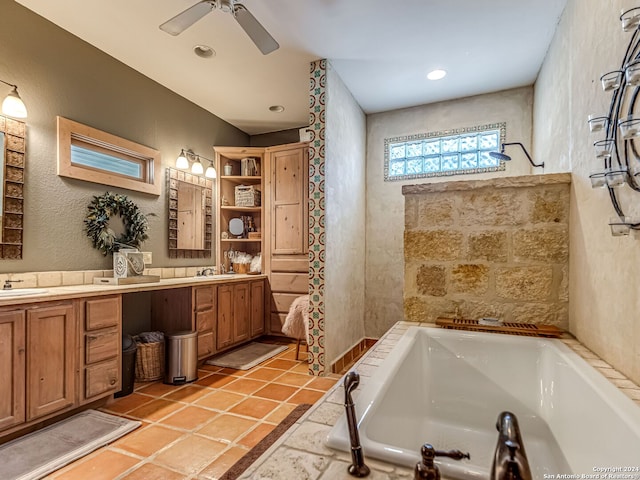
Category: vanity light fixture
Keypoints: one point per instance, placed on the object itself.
(187, 157)
(13, 106)
(505, 158)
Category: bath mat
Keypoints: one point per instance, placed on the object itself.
(39, 453)
(246, 356)
(252, 455)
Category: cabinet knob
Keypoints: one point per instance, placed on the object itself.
(113, 381)
(20, 351)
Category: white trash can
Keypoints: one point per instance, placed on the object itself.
(181, 358)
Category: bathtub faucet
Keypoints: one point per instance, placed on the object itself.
(357, 467)
(510, 460)
(427, 469)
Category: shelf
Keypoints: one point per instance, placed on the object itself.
(240, 209)
(244, 240)
(239, 180)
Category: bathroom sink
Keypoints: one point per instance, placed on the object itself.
(19, 292)
(217, 276)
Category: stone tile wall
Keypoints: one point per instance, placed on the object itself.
(488, 248)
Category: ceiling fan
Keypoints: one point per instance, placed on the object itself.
(263, 40)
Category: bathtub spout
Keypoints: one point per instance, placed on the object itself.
(357, 467)
(510, 460)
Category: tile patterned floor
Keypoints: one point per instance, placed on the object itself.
(198, 431)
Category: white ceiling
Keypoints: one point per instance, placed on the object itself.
(382, 50)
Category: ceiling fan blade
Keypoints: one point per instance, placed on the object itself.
(265, 42)
(184, 20)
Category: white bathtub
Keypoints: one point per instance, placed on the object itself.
(447, 388)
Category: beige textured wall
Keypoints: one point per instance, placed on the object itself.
(491, 248)
(59, 74)
(344, 219)
(385, 203)
(604, 270)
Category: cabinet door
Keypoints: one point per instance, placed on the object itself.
(241, 312)
(257, 308)
(289, 179)
(52, 358)
(12, 368)
(224, 324)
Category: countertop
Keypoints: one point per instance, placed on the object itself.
(90, 290)
(301, 453)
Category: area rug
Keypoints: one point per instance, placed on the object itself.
(36, 454)
(252, 455)
(246, 356)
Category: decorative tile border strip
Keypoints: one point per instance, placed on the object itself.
(317, 249)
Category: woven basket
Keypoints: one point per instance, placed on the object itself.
(149, 361)
(247, 196)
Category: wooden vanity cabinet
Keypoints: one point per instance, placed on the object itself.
(234, 308)
(38, 360)
(51, 358)
(204, 312)
(257, 308)
(12, 368)
(100, 347)
(189, 308)
(240, 317)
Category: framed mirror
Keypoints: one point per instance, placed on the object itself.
(190, 214)
(12, 140)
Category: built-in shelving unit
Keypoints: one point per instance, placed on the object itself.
(231, 158)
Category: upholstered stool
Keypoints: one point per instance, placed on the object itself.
(296, 324)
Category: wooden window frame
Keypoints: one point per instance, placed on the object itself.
(70, 132)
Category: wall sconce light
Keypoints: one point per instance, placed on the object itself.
(187, 156)
(505, 158)
(13, 106)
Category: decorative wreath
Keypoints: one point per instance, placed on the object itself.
(96, 223)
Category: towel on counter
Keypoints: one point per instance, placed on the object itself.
(296, 325)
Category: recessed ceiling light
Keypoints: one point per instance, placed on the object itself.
(276, 108)
(436, 74)
(204, 51)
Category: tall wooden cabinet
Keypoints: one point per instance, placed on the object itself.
(287, 220)
(283, 179)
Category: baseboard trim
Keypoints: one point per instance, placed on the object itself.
(351, 356)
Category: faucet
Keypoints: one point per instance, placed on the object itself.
(357, 467)
(7, 284)
(204, 271)
(427, 469)
(510, 460)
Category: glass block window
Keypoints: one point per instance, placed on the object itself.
(451, 152)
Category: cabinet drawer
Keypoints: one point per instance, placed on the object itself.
(205, 344)
(101, 345)
(102, 378)
(204, 297)
(204, 321)
(102, 312)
